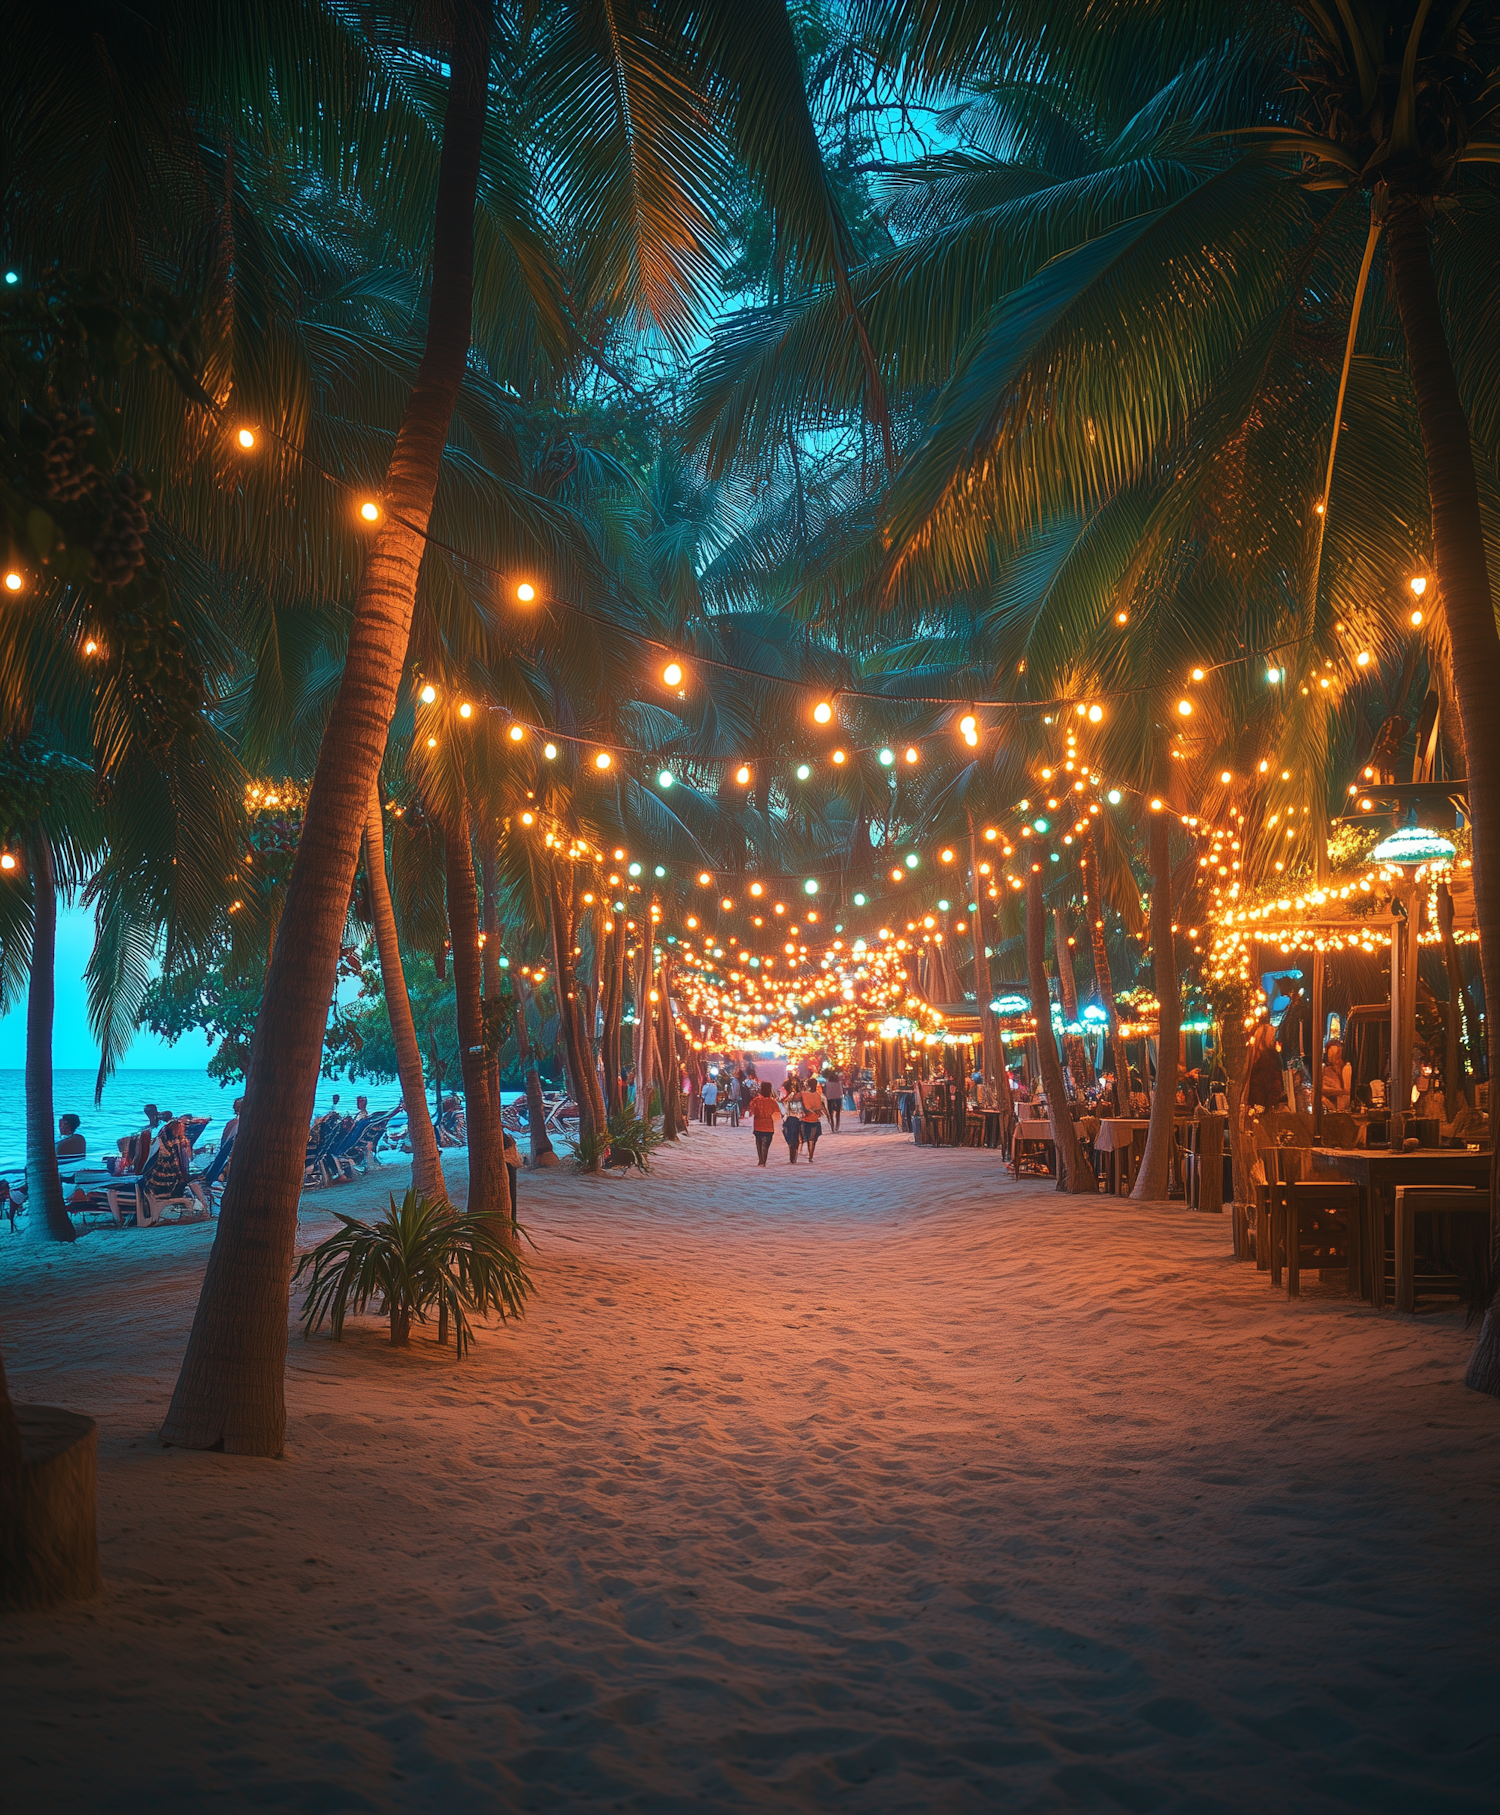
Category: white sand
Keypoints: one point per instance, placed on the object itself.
(885, 1484)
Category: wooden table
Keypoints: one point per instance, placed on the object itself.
(1378, 1173)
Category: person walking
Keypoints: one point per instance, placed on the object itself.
(833, 1092)
(710, 1098)
(813, 1107)
(791, 1120)
(764, 1111)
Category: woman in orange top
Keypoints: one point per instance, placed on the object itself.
(765, 1112)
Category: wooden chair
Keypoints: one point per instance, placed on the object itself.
(1442, 1239)
(1310, 1222)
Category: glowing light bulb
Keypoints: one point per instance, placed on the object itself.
(887, 757)
(968, 723)
(7, 862)
(839, 757)
(246, 439)
(550, 752)
(911, 753)
(90, 647)
(672, 674)
(664, 780)
(1419, 584)
(1363, 658)
(823, 712)
(1273, 675)
(429, 694)
(991, 834)
(704, 878)
(810, 887)
(432, 743)
(1197, 674)
(525, 592)
(1416, 617)
(946, 856)
(742, 775)
(1225, 776)
(911, 861)
(1095, 714)
(466, 710)
(1156, 806)
(13, 581)
(1113, 797)
(528, 819)
(726, 904)
(370, 511)
(1122, 617)
(1185, 708)
(756, 889)
(602, 760)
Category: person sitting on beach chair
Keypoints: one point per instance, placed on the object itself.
(165, 1174)
(70, 1143)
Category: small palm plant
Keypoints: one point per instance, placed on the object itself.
(422, 1255)
(626, 1142)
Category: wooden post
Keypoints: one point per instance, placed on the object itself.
(1210, 1162)
(1318, 1018)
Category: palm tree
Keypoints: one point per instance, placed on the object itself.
(241, 1312)
(1074, 1173)
(426, 1162)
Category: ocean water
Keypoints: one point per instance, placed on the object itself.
(182, 1090)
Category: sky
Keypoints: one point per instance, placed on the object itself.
(73, 1047)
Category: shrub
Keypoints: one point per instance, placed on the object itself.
(422, 1255)
(625, 1143)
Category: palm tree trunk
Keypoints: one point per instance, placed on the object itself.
(489, 1188)
(1151, 1180)
(671, 1074)
(614, 1008)
(1464, 593)
(43, 1184)
(1073, 1170)
(230, 1391)
(426, 1162)
(1105, 983)
(542, 1153)
(645, 1039)
(995, 1072)
(568, 1023)
(1457, 1085)
(1073, 1046)
(1234, 1048)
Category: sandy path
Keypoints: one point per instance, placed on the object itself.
(887, 1484)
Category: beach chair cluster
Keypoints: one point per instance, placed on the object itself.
(332, 1158)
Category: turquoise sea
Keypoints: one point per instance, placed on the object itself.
(182, 1091)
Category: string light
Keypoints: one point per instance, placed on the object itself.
(672, 674)
(742, 775)
(429, 694)
(525, 592)
(823, 712)
(370, 511)
(602, 760)
(516, 734)
(13, 581)
(550, 752)
(466, 710)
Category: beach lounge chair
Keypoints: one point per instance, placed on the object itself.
(341, 1156)
(313, 1169)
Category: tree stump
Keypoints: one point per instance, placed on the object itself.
(49, 1543)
